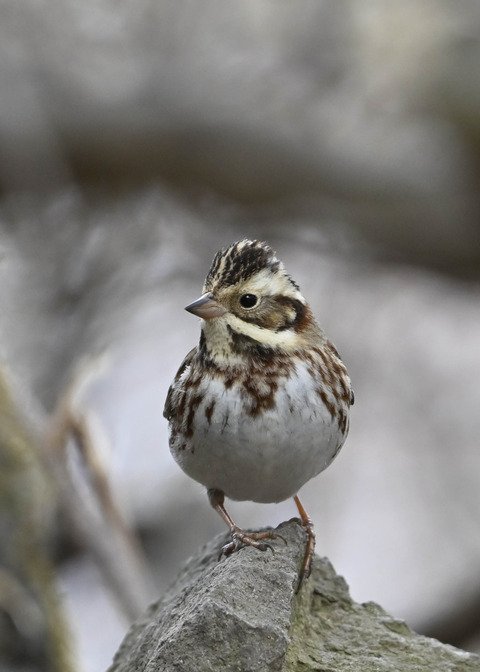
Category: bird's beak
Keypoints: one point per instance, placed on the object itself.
(206, 307)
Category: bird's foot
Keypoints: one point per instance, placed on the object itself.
(309, 553)
(305, 522)
(255, 539)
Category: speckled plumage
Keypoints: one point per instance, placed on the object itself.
(261, 406)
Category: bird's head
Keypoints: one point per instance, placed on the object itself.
(251, 305)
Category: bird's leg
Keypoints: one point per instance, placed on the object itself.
(307, 524)
(239, 537)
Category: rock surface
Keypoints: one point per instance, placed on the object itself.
(241, 614)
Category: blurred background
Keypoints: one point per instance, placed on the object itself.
(136, 139)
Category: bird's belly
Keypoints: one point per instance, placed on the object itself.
(265, 456)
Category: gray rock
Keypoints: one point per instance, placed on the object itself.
(241, 614)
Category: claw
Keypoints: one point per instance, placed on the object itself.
(255, 539)
(239, 537)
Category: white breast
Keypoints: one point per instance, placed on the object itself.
(266, 458)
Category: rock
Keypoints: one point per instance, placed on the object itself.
(241, 614)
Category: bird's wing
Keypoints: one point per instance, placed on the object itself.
(335, 351)
(169, 410)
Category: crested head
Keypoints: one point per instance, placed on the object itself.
(261, 308)
(240, 261)
(250, 263)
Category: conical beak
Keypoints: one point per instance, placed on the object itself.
(206, 307)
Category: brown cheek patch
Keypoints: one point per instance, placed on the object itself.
(266, 317)
(290, 314)
(279, 313)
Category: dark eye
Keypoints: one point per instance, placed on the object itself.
(248, 300)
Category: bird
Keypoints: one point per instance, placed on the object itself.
(262, 404)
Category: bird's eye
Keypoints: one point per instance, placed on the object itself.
(248, 300)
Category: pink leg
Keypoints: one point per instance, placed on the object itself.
(307, 524)
(239, 537)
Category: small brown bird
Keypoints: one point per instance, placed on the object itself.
(262, 404)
